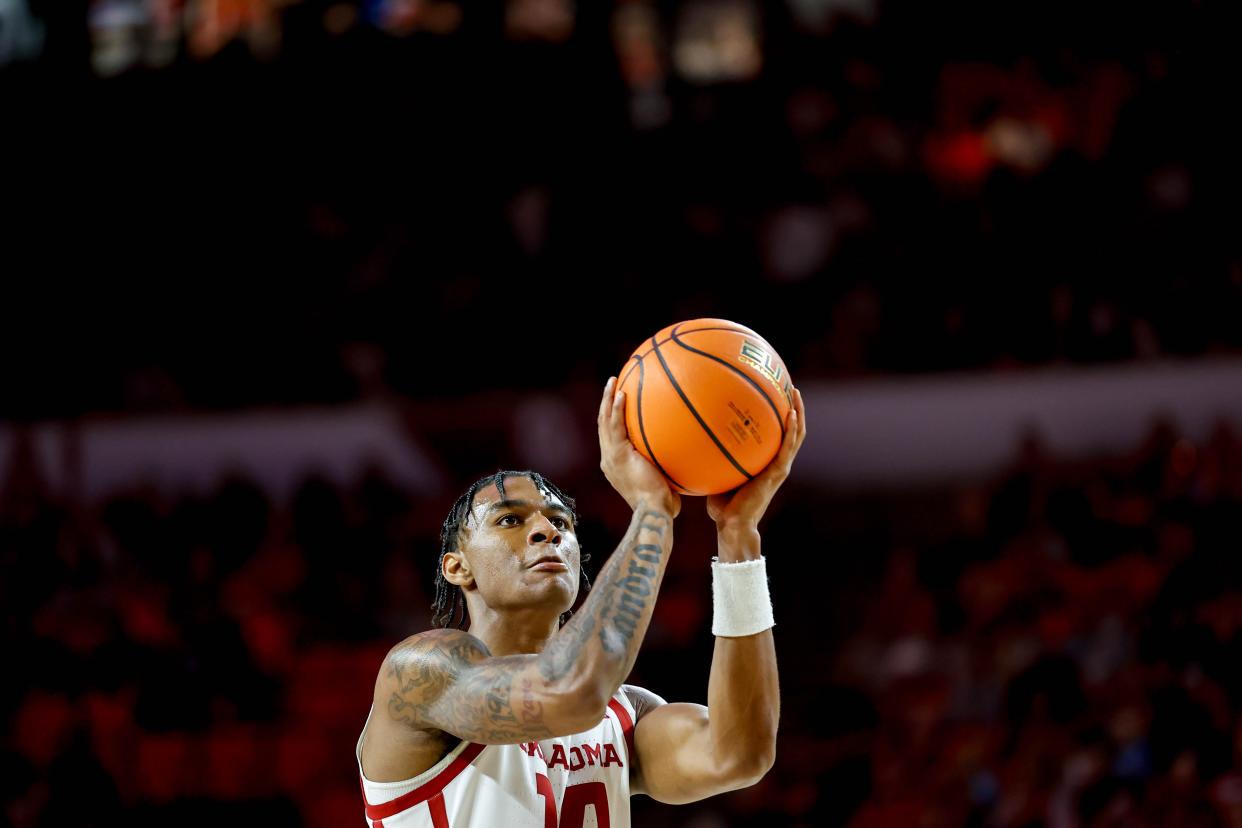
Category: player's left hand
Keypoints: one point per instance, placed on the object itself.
(744, 506)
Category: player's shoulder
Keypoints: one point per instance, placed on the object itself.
(641, 699)
(435, 649)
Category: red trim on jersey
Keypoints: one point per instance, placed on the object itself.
(439, 817)
(627, 726)
(426, 790)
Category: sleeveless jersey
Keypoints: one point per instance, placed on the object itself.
(578, 781)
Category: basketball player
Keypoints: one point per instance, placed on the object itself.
(523, 720)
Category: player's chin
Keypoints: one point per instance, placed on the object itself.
(555, 587)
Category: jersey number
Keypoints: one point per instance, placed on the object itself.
(577, 798)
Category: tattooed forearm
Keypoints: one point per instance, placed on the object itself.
(636, 589)
(618, 608)
(632, 590)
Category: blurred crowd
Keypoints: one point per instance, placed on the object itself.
(1056, 646)
(357, 191)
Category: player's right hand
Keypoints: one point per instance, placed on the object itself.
(633, 476)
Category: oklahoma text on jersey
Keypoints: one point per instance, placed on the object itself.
(579, 781)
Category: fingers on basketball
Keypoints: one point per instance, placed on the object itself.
(780, 467)
(605, 403)
(800, 408)
(618, 417)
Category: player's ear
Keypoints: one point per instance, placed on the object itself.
(457, 570)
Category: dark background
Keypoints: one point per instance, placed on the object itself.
(219, 208)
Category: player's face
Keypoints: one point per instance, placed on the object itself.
(522, 549)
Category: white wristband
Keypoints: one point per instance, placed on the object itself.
(740, 601)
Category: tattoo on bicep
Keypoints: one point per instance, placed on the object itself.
(423, 671)
(441, 684)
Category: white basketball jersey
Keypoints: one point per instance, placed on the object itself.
(579, 781)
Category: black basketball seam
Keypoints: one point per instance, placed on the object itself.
(737, 371)
(642, 430)
(622, 380)
(677, 387)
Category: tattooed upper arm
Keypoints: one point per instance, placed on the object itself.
(447, 680)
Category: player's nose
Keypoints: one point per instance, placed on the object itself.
(542, 531)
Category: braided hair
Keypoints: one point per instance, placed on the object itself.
(449, 608)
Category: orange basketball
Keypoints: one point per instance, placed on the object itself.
(706, 402)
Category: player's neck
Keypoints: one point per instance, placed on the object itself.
(511, 633)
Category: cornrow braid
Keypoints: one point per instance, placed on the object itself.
(449, 608)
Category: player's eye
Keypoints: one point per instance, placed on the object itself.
(506, 517)
(560, 523)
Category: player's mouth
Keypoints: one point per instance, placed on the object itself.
(550, 563)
